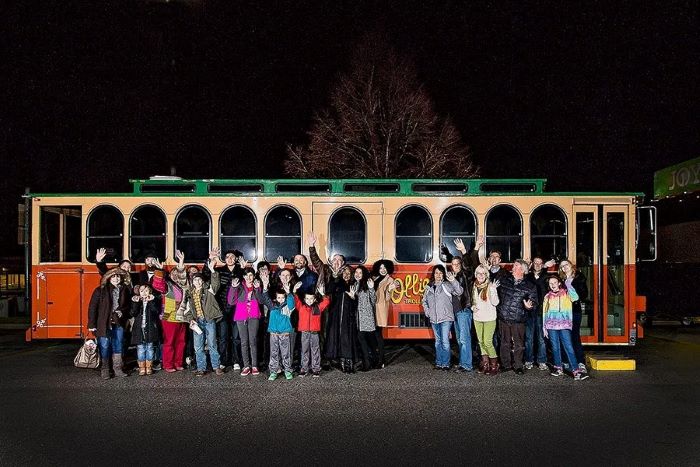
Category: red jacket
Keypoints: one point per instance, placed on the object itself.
(307, 320)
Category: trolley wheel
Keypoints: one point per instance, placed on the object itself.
(687, 321)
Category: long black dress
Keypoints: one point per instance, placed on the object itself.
(342, 325)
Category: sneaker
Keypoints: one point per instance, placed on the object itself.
(519, 371)
(245, 372)
(219, 372)
(582, 368)
(542, 366)
(188, 361)
(579, 376)
(302, 373)
(199, 373)
(288, 374)
(316, 374)
(528, 365)
(223, 367)
(556, 371)
(272, 377)
(255, 371)
(156, 367)
(236, 367)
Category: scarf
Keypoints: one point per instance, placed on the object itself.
(482, 290)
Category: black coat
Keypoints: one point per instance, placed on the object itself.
(511, 296)
(148, 333)
(542, 287)
(341, 336)
(581, 287)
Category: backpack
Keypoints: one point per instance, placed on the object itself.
(88, 356)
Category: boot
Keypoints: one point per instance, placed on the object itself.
(484, 366)
(104, 371)
(493, 366)
(351, 365)
(343, 366)
(117, 365)
(149, 367)
(142, 368)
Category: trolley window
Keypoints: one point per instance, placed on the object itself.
(282, 233)
(414, 235)
(105, 229)
(61, 231)
(192, 226)
(504, 232)
(146, 233)
(457, 222)
(348, 232)
(548, 232)
(238, 231)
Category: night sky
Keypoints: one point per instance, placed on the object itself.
(592, 96)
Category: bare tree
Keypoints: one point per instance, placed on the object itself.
(380, 124)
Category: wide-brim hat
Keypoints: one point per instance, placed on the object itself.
(115, 272)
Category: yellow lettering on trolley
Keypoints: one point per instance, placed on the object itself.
(409, 289)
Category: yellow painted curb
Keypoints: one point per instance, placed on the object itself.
(611, 363)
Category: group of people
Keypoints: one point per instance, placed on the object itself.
(513, 311)
(318, 314)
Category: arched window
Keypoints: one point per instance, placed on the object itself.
(457, 222)
(282, 233)
(504, 230)
(347, 234)
(146, 233)
(548, 232)
(414, 235)
(192, 225)
(238, 232)
(105, 229)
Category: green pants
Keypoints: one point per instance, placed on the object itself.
(484, 331)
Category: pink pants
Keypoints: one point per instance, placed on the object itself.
(173, 344)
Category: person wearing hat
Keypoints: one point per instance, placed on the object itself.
(384, 285)
(124, 264)
(152, 264)
(107, 313)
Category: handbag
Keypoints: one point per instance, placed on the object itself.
(88, 355)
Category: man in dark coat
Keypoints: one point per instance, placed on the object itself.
(518, 297)
(535, 347)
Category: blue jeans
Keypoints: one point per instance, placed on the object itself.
(111, 343)
(463, 332)
(208, 334)
(442, 343)
(533, 330)
(145, 352)
(559, 337)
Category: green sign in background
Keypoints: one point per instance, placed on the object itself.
(677, 179)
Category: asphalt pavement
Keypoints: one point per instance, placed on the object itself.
(407, 413)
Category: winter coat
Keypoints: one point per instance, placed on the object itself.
(557, 309)
(542, 287)
(437, 301)
(247, 306)
(383, 298)
(280, 322)
(463, 300)
(100, 316)
(148, 333)
(341, 329)
(511, 296)
(484, 310)
(210, 307)
(171, 293)
(366, 300)
(581, 286)
(310, 320)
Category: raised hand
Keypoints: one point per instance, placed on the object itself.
(286, 288)
(460, 245)
(235, 282)
(311, 239)
(550, 263)
(479, 242)
(265, 279)
(211, 264)
(529, 304)
(242, 262)
(280, 262)
(370, 283)
(100, 255)
(180, 259)
(215, 253)
(321, 289)
(297, 286)
(395, 284)
(495, 284)
(157, 263)
(256, 283)
(450, 276)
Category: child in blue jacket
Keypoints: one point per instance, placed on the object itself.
(280, 329)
